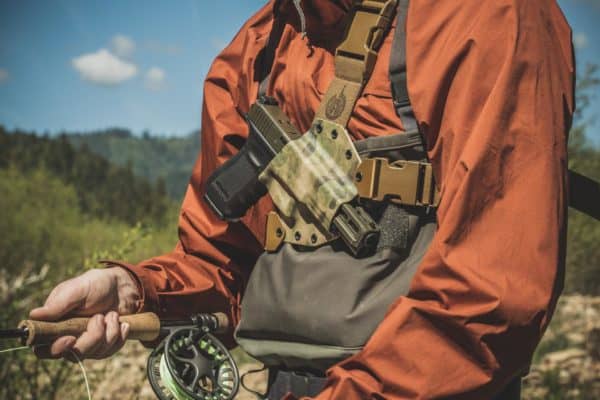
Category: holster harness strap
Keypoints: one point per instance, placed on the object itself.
(408, 183)
(355, 58)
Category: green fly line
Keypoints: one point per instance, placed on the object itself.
(225, 374)
(170, 383)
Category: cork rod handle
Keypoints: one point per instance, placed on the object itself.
(143, 326)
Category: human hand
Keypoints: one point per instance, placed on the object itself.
(102, 294)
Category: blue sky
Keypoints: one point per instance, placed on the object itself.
(80, 65)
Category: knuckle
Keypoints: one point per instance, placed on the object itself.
(111, 317)
(63, 286)
(54, 292)
(96, 327)
(112, 336)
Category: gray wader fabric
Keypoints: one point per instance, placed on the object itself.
(309, 308)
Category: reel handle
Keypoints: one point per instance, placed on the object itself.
(221, 321)
(142, 326)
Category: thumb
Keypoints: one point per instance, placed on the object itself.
(64, 298)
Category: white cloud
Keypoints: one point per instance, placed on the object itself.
(3, 75)
(104, 68)
(155, 78)
(580, 40)
(123, 46)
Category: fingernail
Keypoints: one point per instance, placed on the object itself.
(70, 342)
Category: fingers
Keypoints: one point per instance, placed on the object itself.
(93, 339)
(104, 336)
(116, 335)
(63, 299)
(113, 329)
(59, 348)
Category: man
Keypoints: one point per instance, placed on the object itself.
(491, 85)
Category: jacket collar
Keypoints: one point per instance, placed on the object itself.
(322, 21)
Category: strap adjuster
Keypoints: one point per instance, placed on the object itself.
(403, 182)
(355, 57)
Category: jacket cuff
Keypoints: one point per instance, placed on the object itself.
(149, 296)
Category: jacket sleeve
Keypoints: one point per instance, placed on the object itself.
(208, 269)
(492, 88)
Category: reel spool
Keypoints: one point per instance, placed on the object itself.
(191, 364)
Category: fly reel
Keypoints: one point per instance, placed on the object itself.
(192, 364)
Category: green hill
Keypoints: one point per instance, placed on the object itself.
(152, 157)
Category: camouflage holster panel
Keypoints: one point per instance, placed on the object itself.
(309, 180)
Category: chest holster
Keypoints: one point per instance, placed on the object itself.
(300, 179)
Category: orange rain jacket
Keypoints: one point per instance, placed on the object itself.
(491, 84)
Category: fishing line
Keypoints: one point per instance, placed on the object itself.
(169, 381)
(85, 378)
(14, 349)
(188, 364)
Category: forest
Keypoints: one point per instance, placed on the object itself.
(155, 158)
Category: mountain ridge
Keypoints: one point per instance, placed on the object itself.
(150, 156)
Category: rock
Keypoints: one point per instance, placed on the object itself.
(576, 338)
(560, 357)
(564, 378)
(571, 372)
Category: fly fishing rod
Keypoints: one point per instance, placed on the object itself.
(188, 364)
